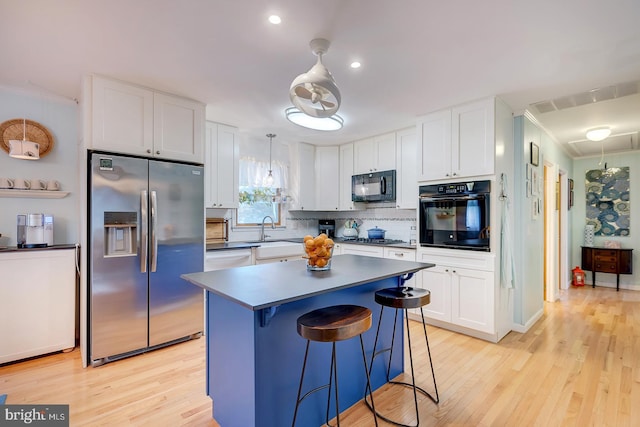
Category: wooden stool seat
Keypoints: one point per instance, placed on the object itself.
(405, 297)
(335, 323)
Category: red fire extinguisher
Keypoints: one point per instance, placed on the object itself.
(578, 276)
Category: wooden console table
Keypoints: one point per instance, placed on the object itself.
(606, 260)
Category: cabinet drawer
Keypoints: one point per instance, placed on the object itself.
(604, 253)
(402, 254)
(606, 267)
(605, 258)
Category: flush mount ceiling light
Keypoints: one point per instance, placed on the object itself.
(296, 116)
(598, 134)
(315, 92)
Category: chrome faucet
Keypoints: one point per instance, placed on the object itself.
(263, 236)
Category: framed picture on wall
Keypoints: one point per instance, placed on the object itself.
(570, 193)
(535, 153)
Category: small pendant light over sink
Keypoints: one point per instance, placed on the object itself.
(268, 180)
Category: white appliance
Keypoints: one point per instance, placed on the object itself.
(35, 230)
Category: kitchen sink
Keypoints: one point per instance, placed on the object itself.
(278, 249)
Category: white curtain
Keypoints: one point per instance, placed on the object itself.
(253, 172)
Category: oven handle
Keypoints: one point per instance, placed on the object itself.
(452, 199)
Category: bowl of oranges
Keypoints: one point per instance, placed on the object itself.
(318, 252)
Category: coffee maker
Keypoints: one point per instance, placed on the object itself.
(35, 230)
(328, 227)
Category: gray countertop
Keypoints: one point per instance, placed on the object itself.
(261, 286)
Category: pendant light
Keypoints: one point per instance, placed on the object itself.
(26, 150)
(268, 181)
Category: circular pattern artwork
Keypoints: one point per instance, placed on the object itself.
(608, 201)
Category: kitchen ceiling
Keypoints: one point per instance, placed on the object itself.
(417, 56)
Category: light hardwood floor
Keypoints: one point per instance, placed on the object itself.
(578, 365)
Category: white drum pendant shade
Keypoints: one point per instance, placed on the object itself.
(26, 150)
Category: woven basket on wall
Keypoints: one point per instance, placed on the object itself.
(33, 131)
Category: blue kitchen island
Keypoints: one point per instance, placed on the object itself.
(254, 353)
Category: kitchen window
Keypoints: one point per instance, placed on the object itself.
(256, 198)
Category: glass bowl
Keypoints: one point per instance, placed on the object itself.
(320, 261)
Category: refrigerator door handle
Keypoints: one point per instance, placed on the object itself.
(144, 231)
(154, 234)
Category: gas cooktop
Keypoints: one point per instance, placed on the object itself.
(369, 241)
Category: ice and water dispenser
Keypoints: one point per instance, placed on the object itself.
(120, 233)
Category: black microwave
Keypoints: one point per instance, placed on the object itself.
(374, 187)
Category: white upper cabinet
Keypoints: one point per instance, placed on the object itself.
(222, 154)
(458, 142)
(346, 172)
(327, 180)
(178, 127)
(406, 176)
(303, 171)
(130, 119)
(375, 154)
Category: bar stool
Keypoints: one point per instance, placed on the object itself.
(332, 324)
(403, 298)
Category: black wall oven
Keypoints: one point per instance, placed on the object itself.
(455, 216)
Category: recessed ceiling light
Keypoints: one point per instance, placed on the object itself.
(598, 134)
(325, 123)
(356, 64)
(275, 19)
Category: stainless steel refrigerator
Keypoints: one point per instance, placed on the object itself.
(146, 228)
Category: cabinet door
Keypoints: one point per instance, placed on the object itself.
(437, 280)
(346, 172)
(385, 152)
(407, 181)
(472, 299)
(210, 165)
(307, 181)
(178, 132)
(38, 300)
(122, 117)
(363, 156)
(327, 180)
(221, 166)
(227, 169)
(434, 146)
(473, 139)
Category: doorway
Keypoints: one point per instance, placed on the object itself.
(555, 231)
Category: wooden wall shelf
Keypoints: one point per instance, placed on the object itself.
(35, 194)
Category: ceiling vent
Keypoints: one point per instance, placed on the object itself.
(589, 97)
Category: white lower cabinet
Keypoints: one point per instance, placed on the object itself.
(460, 296)
(365, 250)
(37, 302)
(221, 259)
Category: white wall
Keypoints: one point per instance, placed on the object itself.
(578, 212)
(60, 117)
